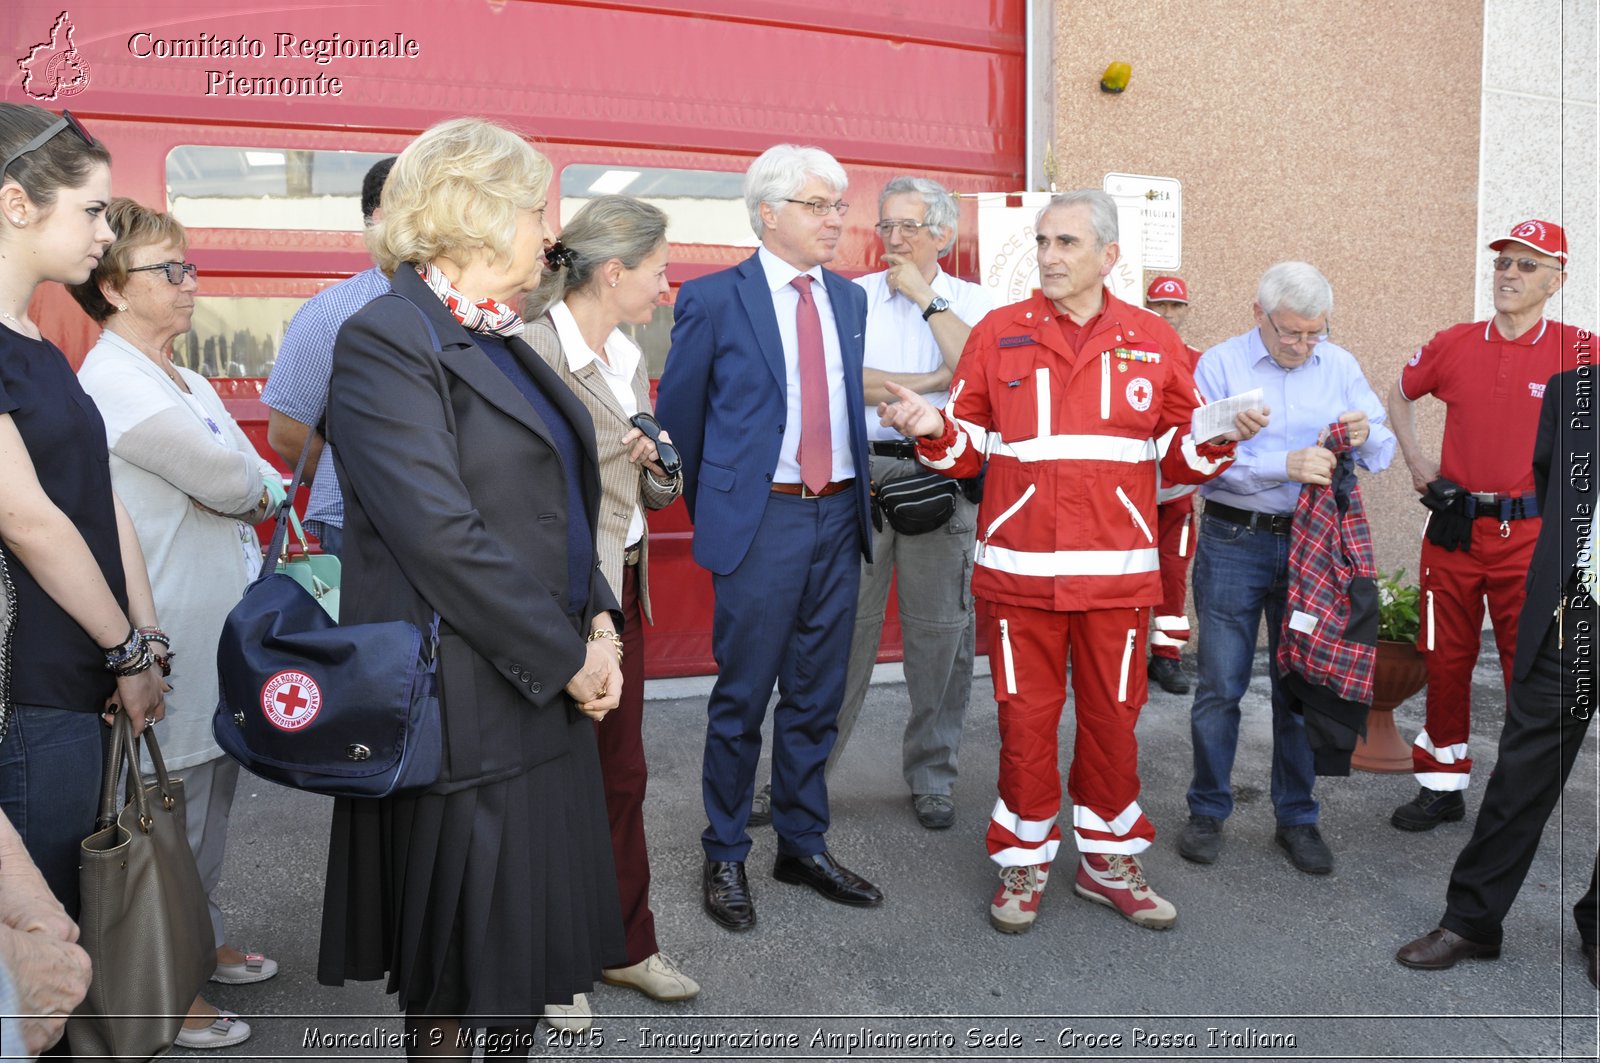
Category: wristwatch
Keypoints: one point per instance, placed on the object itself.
(940, 303)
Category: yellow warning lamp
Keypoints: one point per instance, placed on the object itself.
(1115, 79)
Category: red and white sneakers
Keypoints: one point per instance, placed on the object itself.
(1117, 881)
(1016, 902)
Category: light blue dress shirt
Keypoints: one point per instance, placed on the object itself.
(298, 385)
(1303, 402)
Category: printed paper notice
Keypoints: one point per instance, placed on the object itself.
(1216, 418)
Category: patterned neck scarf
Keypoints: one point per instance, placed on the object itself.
(485, 315)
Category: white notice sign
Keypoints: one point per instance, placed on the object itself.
(1161, 209)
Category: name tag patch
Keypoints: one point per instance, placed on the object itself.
(1017, 341)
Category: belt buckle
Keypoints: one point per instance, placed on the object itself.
(806, 492)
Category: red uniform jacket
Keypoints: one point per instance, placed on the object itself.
(1069, 506)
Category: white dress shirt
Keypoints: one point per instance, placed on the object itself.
(898, 340)
(785, 304)
(616, 369)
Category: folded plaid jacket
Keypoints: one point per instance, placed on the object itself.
(1328, 647)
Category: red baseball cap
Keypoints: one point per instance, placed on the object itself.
(1167, 290)
(1543, 236)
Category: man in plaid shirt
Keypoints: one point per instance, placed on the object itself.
(1241, 563)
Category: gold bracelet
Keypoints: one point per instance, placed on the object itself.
(609, 635)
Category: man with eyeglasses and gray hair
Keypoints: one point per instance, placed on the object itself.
(1242, 560)
(1484, 517)
(762, 395)
(918, 319)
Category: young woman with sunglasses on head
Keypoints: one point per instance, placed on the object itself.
(78, 600)
(609, 270)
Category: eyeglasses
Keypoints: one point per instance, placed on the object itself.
(176, 271)
(1524, 265)
(1295, 338)
(821, 209)
(666, 453)
(66, 121)
(910, 228)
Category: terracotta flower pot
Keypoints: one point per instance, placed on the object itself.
(1401, 671)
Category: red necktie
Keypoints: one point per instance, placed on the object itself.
(816, 426)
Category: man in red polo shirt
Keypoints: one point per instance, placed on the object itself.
(1169, 297)
(1491, 377)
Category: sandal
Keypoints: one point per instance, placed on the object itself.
(255, 968)
(226, 1030)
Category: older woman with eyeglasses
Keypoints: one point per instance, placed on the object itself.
(193, 485)
(608, 270)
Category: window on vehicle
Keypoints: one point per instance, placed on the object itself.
(702, 206)
(267, 188)
(234, 336)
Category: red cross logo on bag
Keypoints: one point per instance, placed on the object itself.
(291, 700)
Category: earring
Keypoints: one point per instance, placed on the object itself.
(18, 221)
(613, 284)
(121, 307)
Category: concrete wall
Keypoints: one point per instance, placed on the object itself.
(1343, 134)
(1539, 137)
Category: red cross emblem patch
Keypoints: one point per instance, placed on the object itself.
(291, 700)
(1140, 393)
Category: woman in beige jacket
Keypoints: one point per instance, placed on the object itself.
(608, 270)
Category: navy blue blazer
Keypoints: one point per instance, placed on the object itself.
(1568, 484)
(724, 397)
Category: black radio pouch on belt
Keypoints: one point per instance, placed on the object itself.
(1449, 525)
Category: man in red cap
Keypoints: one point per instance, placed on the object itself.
(1484, 522)
(1169, 297)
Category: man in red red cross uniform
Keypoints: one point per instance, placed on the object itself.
(1066, 393)
(1169, 297)
(1491, 377)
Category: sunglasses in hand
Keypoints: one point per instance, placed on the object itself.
(666, 453)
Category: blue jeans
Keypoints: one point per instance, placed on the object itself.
(50, 789)
(1238, 574)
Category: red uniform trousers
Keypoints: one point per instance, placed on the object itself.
(1175, 541)
(1454, 583)
(622, 766)
(1028, 655)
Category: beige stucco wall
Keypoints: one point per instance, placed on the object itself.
(1340, 133)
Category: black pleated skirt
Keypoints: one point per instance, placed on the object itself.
(485, 903)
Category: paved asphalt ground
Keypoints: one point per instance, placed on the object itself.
(1280, 964)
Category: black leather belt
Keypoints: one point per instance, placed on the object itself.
(805, 492)
(1502, 507)
(894, 448)
(1250, 520)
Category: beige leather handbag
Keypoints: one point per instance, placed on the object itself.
(143, 919)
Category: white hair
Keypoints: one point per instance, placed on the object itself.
(1298, 287)
(781, 171)
(1102, 212)
(941, 211)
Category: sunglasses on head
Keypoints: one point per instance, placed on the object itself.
(1524, 265)
(666, 453)
(66, 121)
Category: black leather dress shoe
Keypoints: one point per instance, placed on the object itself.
(1442, 949)
(1591, 963)
(828, 877)
(727, 893)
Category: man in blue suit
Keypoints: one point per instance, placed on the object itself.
(761, 393)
